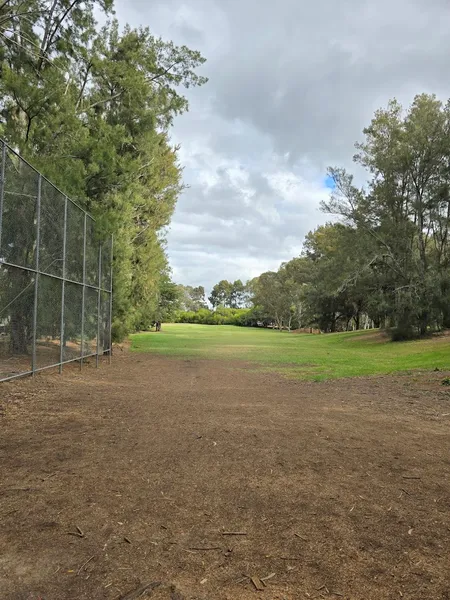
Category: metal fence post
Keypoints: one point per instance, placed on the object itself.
(99, 274)
(84, 292)
(2, 188)
(36, 281)
(62, 338)
(110, 297)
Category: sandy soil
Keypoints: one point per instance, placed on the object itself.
(133, 474)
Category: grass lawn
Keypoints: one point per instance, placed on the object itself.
(302, 356)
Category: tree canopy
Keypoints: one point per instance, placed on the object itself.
(228, 294)
(192, 299)
(92, 109)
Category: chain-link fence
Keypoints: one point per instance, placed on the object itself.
(55, 275)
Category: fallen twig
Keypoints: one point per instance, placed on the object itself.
(208, 548)
(406, 492)
(410, 477)
(134, 594)
(300, 536)
(259, 585)
(85, 563)
(268, 577)
(234, 533)
(76, 534)
(79, 531)
(127, 540)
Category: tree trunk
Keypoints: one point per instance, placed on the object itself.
(19, 299)
(18, 337)
(278, 322)
(423, 326)
(333, 324)
(446, 318)
(289, 323)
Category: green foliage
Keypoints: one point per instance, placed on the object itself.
(92, 110)
(403, 216)
(192, 299)
(221, 293)
(238, 295)
(272, 292)
(254, 317)
(336, 293)
(230, 295)
(221, 316)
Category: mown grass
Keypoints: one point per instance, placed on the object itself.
(302, 356)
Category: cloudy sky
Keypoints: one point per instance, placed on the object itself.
(291, 86)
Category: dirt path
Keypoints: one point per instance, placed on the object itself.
(136, 470)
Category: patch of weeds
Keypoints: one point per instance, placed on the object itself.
(446, 381)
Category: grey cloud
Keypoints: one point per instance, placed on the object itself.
(292, 84)
(325, 67)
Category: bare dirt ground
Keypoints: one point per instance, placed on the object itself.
(132, 474)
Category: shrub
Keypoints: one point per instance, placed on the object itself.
(204, 316)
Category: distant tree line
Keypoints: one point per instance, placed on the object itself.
(385, 260)
(188, 304)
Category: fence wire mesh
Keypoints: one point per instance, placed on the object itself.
(55, 275)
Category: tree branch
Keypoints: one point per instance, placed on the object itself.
(24, 48)
(177, 62)
(104, 101)
(83, 86)
(55, 29)
(4, 4)
(46, 34)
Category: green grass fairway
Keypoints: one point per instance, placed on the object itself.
(302, 356)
